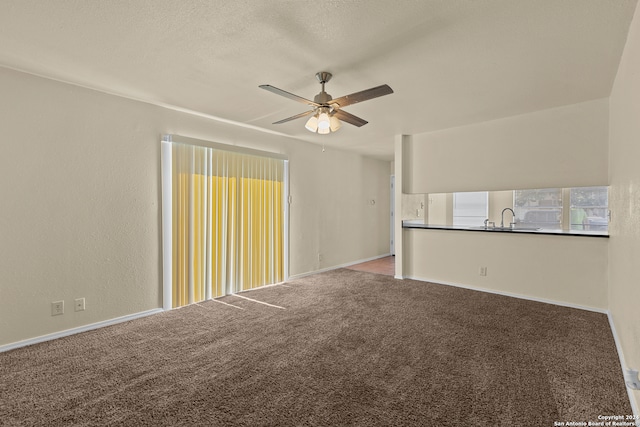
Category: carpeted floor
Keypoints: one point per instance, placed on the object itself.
(346, 348)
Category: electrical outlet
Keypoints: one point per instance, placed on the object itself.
(79, 304)
(57, 308)
(320, 257)
(483, 271)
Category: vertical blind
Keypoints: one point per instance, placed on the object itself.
(227, 222)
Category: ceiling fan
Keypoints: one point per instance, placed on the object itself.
(327, 112)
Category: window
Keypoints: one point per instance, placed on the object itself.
(570, 209)
(589, 207)
(470, 208)
(541, 208)
(581, 208)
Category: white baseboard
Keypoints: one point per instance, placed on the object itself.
(623, 365)
(77, 330)
(335, 267)
(513, 295)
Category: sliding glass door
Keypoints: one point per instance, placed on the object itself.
(225, 213)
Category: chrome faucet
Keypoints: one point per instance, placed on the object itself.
(513, 218)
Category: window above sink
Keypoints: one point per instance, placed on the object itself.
(554, 209)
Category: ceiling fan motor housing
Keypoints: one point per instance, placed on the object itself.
(323, 76)
(322, 98)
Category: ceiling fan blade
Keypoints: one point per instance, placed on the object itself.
(350, 118)
(297, 116)
(288, 95)
(364, 95)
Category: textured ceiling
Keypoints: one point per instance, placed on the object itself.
(450, 62)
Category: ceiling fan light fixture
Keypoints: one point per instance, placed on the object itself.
(334, 123)
(312, 124)
(323, 121)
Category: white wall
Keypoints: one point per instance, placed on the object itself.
(570, 270)
(440, 210)
(624, 200)
(80, 202)
(340, 207)
(559, 147)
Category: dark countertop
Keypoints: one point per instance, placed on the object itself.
(413, 224)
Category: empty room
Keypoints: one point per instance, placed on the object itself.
(338, 213)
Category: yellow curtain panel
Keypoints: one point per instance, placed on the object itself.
(227, 222)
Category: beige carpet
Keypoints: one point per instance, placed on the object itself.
(349, 348)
